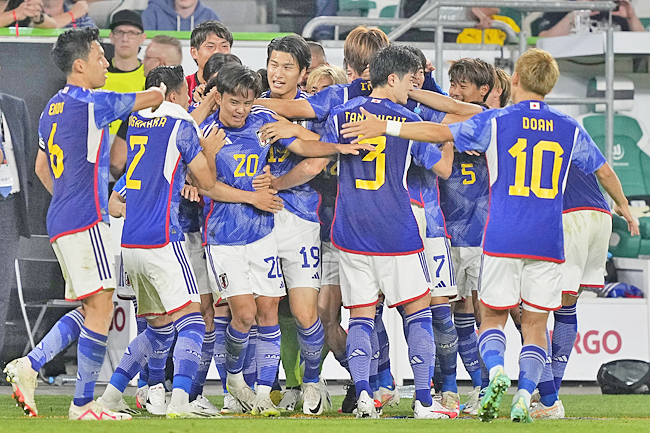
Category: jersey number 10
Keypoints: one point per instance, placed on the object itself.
(518, 151)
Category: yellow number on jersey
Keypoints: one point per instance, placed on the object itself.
(518, 152)
(379, 157)
(251, 165)
(466, 170)
(56, 154)
(135, 140)
(284, 153)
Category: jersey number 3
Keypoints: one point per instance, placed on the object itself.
(135, 140)
(379, 157)
(518, 151)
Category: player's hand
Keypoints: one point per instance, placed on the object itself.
(370, 127)
(429, 67)
(215, 140)
(190, 193)
(275, 131)
(163, 90)
(473, 152)
(632, 225)
(267, 200)
(263, 181)
(211, 99)
(198, 95)
(354, 148)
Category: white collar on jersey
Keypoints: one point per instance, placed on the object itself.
(169, 109)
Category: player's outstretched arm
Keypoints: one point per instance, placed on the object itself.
(612, 185)
(152, 97)
(43, 171)
(371, 126)
(263, 199)
(445, 103)
(317, 149)
(296, 108)
(116, 205)
(443, 167)
(302, 173)
(283, 128)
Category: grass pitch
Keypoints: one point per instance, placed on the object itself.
(585, 414)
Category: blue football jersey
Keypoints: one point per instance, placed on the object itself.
(430, 84)
(430, 198)
(425, 113)
(583, 192)
(326, 184)
(324, 101)
(159, 148)
(301, 200)
(373, 213)
(464, 198)
(529, 147)
(422, 154)
(73, 132)
(120, 186)
(239, 161)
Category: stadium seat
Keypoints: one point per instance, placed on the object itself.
(362, 6)
(621, 243)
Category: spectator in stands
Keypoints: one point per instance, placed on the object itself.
(125, 72)
(179, 15)
(318, 58)
(27, 12)
(325, 76)
(561, 23)
(67, 15)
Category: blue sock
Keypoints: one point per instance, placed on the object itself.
(342, 359)
(485, 374)
(311, 342)
(220, 326)
(250, 363)
(204, 365)
(141, 324)
(546, 386)
(492, 346)
(90, 357)
(164, 337)
(62, 334)
(421, 352)
(187, 352)
(374, 360)
(446, 345)
(565, 333)
(236, 345)
(467, 345)
(359, 351)
(384, 376)
(267, 354)
(531, 364)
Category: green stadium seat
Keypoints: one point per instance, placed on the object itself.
(622, 244)
(363, 6)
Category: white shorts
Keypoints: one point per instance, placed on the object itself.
(330, 264)
(252, 269)
(402, 279)
(298, 243)
(467, 264)
(162, 278)
(505, 281)
(443, 280)
(196, 253)
(420, 218)
(586, 241)
(87, 261)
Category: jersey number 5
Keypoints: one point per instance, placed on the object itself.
(466, 170)
(135, 140)
(379, 157)
(518, 151)
(56, 154)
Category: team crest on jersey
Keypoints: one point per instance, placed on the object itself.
(223, 281)
(534, 105)
(263, 143)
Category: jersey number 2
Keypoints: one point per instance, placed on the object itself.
(518, 151)
(135, 140)
(379, 157)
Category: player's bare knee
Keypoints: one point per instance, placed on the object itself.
(568, 299)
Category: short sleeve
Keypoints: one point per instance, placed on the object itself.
(431, 115)
(187, 141)
(111, 106)
(425, 154)
(474, 133)
(120, 186)
(41, 142)
(323, 101)
(586, 155)
(331, 132)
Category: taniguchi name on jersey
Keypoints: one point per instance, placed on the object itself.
(357, 117)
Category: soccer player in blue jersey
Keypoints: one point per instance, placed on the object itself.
(163, 145)
(72, 163)
(241, 245)
(384, 254)
(529, 147)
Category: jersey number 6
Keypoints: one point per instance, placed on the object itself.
(379, 157)
(56, 154)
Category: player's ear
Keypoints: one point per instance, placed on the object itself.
(484, 89)
(172, 97)
(217, 99)
(194, 52)
(79, 66)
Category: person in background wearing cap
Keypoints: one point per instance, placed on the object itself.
(125, 72)
(179, 15)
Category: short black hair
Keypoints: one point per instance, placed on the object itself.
(294, 45)
(420, 55)
(204, 29)
(316, 48)
(474, 71)
(265, 79)
(72, 45)
(393, 59)
(216, 62)
(238, 80)
(172, 76)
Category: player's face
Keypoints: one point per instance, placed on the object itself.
(234, 109)
(402, 88)
(181, 98)
(465, 91)
(283, 74)
(418, 79)
(127, 40)
(212, 44)
(96, 66)
(316, 61)
(320, 85)
(494, 100)
(349, 72)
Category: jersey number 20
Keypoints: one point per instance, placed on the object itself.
(379, 157)
(518, 151)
